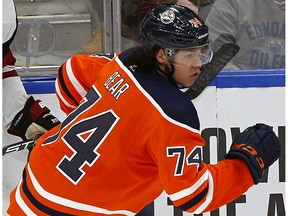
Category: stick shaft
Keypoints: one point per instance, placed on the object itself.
(15, 147)
(210, 70)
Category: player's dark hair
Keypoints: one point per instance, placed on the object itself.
(143, 58)
(145, 61)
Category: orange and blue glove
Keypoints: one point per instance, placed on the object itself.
(258, 146)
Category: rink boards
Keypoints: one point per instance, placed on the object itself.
(232, 102)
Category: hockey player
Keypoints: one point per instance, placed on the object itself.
(131, 134)
(29, 117)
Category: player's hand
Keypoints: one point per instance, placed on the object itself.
(258, 146)
(33, 120)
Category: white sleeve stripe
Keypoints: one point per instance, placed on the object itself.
(209, 196)
(70, 203)
(8, 68)
(21, 202)
(61, 96)
(73, 79)
(186, 192)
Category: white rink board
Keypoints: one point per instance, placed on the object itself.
(222, 109)
(242, 107)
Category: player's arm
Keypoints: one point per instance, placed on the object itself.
(252, 151)
(76, 76)
(197, 187)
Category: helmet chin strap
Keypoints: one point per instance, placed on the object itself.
(168, 72)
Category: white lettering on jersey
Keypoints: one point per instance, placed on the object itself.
(116, 85)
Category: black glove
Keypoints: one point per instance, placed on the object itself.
(33, 120)
(258, 146)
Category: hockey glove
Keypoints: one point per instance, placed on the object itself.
(258, 146)
(33, 120)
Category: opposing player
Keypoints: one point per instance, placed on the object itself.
(23, 116)
(134, 134)
(29, 117)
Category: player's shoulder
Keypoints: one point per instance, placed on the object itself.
(90, 60)
(95, 57)
(170, 99)
(164, 93)
(178, 107)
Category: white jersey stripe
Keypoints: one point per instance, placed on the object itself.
(73, 79)
(209, 196)
(61, 96)
(69, 203)
(21, 202)
(186, 192)
(8, 68)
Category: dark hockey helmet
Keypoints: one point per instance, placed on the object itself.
(173, 26)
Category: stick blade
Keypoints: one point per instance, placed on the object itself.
(210, 70)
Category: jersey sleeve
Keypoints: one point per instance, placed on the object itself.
(192, 185)
(76, 76)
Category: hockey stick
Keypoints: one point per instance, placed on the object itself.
(210, 70)
(15, 147)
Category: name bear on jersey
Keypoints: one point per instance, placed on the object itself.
(116, 86)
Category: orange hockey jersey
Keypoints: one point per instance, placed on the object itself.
(131, 137)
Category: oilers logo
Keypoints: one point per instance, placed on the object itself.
(167, 17)
(276, 45)
(195, 22)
